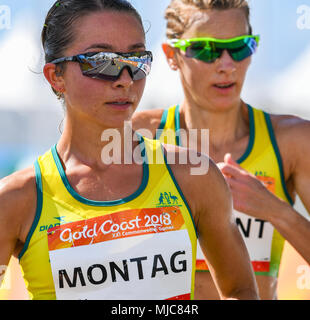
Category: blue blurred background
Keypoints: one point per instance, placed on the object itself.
(278, 80)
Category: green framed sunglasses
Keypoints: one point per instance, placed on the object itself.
(210, 49)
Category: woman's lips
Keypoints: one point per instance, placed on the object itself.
(224, 87)
(119, 105)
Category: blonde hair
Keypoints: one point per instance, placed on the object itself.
(178, 13)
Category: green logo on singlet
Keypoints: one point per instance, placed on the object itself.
(259, 173)
(166, 199)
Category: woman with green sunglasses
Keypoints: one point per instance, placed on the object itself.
(264, 158)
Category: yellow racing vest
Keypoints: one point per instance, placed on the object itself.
(139, 247)
(261, 158)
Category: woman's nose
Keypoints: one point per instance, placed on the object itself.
(225, 63)
(124, 80)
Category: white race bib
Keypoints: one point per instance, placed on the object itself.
(257, 235)
(134, 254)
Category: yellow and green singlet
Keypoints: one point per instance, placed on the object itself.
(139, 247)
(261, 158)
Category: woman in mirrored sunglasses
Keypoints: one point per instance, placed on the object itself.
(88, 225)
(263, 157)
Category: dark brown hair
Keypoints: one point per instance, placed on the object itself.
(58, 31)
(178, 19)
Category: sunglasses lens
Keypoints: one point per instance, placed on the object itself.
(95, 67)
(240, 49)
(138, 67)
(247, 50)
(198, 50)
(209, 52)
(109, 66)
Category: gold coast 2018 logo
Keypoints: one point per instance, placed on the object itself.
(5, 17)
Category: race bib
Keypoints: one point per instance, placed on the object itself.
(257, 235)
(134, 254)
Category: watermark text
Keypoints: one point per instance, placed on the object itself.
(5, 278)
(118, 148)
(5, 17)
(303, 281)
(303, 21)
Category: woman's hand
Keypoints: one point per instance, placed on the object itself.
(250, 195)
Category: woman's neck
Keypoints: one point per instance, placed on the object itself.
(225, 127)
(93, 144)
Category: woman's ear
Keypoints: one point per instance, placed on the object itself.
(170, 56)
(54, 77)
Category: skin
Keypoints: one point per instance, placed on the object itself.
(91, 111)
(226, 116)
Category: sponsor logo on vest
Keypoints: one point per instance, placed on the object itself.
(98, 274)
(49, 226)
(167, 199)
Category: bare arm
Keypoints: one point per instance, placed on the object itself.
(211, 204)
(293, 226)
(17, 210)
(252, 197)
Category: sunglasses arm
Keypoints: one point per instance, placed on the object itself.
(59, 60)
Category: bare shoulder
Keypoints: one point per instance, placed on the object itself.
(19, 184)
(200, 180)
(290, 126)
(147, 119)
(292, 134)
(18, 202)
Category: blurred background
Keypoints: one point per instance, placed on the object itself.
(30, 116)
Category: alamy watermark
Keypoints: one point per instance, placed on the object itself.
(115, 153)
(5, 17)
(303, 281)
(5, 278)
(303, 21)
